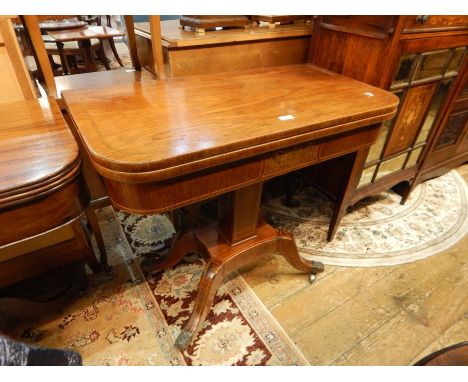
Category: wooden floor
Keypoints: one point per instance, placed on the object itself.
(370, 316)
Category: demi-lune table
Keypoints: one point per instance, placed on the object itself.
(166, 144)
(42, 194)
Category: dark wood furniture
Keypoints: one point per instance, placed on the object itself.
(84, 38)
(42, 197)
(56, 25)
(186, 53)
(90, 20)
(449, 146)
(167, 144)
(200, 24)
(53, 49)
(69, 51)
(455, 355)
(274, 20)
(46, 26)
(423, 60)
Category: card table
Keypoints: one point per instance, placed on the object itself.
(167, 144)
(42, 195)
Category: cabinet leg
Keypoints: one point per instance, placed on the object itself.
(351, 180)
(335, 220)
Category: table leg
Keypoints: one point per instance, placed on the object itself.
(103, 58)
(237, 239)
(114, 50)
(88, 56)
(84, 239)
(94, 225)
(63, 59)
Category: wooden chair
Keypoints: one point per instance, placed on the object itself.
(55, 86)
(156, 42)
(15, 80)
(68, 51)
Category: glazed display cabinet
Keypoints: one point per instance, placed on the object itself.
(449, 148)
(421, 59)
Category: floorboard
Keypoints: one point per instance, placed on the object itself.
(370, 316)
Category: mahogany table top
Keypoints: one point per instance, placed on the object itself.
(36, 148)
(167, 128)
(57, 25)
(85, 33)
(61, 25)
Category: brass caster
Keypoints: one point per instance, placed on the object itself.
(312, 278)
(183, 340)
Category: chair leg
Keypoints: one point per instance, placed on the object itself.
(63, 59)
(69, 63)
(53, 65)
(102, 56)
(114, 50)
(74, 63)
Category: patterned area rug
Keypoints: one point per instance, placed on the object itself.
(113, 64)
(131, 317)
(378, 230)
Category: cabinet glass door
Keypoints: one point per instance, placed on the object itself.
(422, 82)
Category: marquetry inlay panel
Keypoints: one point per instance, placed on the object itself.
(411, 113)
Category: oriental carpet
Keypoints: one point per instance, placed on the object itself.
(131, 316)
(378, 230)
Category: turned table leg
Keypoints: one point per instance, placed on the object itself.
(237, 239)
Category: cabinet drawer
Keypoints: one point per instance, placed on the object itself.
(433, 23)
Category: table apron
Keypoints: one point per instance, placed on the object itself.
(163, 196)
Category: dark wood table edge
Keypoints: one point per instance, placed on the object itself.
(432, 356)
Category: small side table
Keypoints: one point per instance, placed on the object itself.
(84, 36)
